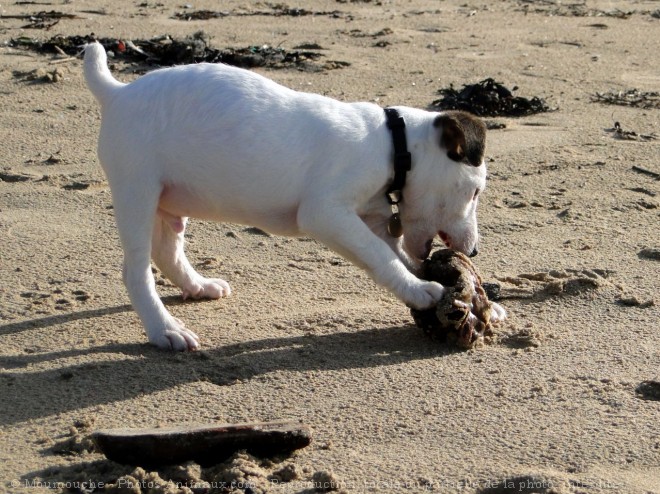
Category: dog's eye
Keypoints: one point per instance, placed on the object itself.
(476, 194)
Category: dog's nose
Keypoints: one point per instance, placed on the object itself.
(474, 252)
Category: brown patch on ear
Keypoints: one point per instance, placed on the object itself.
(463, 136)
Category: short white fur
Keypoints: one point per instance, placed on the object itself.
(220, 143)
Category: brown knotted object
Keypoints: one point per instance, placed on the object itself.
(463, 314)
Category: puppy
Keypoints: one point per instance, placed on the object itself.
(220, 143)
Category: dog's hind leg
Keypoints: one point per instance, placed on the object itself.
(167, 252)
(135, 207)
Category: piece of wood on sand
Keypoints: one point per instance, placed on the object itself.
(205, 444)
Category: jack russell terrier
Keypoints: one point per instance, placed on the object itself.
(221, 143)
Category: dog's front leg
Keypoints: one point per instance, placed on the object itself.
(396, 244)
(342, 230)
(379, 226)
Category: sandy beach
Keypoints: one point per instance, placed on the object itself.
(565, 398)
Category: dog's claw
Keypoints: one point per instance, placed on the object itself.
(182, 341)
(177, 338)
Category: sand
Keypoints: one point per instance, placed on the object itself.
(563, 400)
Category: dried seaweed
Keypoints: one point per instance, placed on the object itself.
(199, 15)
(41, 20)
(489, 98)
(629, 135)
(561, 9)
(276, 10)
(166, 51)
(631, 97)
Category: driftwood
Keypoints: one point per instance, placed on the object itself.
(644, 171)
(206, 445)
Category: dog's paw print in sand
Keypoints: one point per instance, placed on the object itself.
(56, 299)
(464, 315)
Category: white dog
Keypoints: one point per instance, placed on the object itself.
(220, 143)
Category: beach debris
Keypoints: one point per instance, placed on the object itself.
(206, 444)
(649, 253)
(644, 171)
(199, 15)
(630, 97)
(266, 55)
(648, 390)
(630, 135)
(166, 51)
(463, 314)
(41, 20)
(489, 98)
(574, 9)
(276, 10)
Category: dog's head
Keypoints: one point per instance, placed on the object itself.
(442, 192)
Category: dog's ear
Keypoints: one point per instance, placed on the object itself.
(463, 136)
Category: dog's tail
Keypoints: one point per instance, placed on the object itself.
(97, 74)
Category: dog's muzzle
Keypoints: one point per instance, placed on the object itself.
(446, 239)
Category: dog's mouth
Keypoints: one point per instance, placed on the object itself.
(446, 239)
(422, 252)
(449, 243)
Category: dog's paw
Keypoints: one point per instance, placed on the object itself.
(497, 313)
(424, 294)
(207, 288)
(175, 337)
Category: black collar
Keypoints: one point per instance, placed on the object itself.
(402, 158)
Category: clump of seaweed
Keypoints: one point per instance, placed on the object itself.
(489, 98)
(166, 51)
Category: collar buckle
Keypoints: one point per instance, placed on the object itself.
(394, 197)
